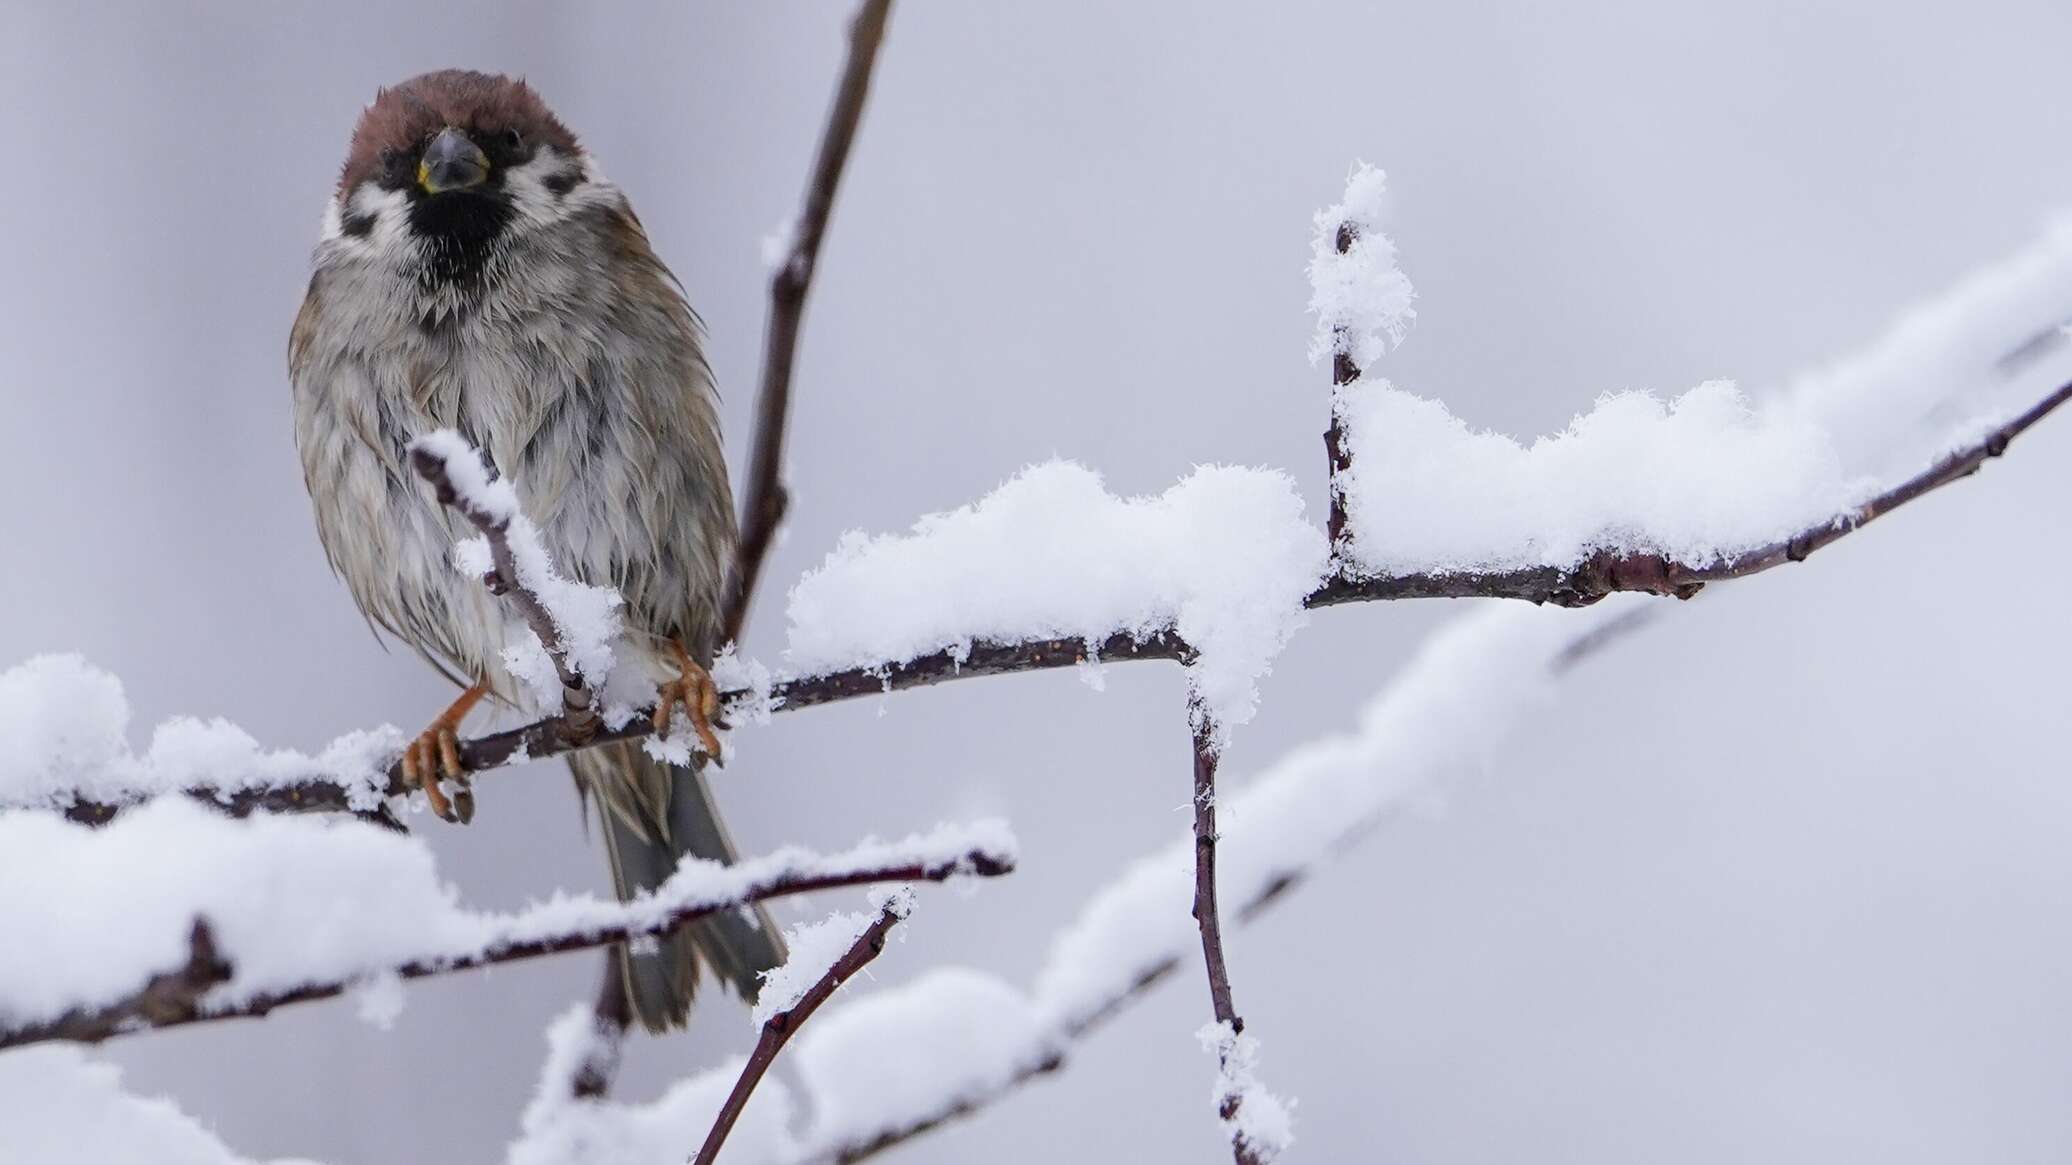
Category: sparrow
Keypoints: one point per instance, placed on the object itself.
(477, 272)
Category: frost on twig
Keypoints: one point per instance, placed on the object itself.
(790, 996)
(339, 907)
(1260, 1124)
(573, 625)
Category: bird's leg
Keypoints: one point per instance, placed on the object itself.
(436, 751)
(694, 688)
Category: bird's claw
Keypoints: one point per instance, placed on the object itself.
(696, 691)
(436, 753)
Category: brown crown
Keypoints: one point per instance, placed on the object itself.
(403, 117)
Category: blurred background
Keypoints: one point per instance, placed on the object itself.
(1784, 879)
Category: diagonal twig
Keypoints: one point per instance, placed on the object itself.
(781, 1026)
(764, 507)
(175, 999)
(433, 461)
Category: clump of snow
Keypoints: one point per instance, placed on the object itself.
(815, 946)
(67, 723)
(750, 679)
(897, 1057)
(1224, 558)
(1700, 479)
(338, 902)
(1262, 1122)
(1361, 299)
(560, 1130)
(1696, 479)
(65, 1106)
(587, 618)
(379, 999)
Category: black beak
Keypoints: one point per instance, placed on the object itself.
(452, 162)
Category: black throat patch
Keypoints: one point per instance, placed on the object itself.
(461, 231)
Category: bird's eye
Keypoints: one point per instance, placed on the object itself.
(514, 141)
(392, 160)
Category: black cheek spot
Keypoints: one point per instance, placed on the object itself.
(560, 182)
(356, 225)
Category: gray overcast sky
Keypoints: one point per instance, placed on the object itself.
(1784, 880)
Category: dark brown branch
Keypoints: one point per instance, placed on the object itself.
(780, 1027)
(171, 999)
(1206, 917)
(1600, 576)
(763, 509)
(578, 711)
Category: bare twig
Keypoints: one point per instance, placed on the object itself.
(1205, 915)
(578, 710)
(780, 1027)
(763, 509)
(171, 999)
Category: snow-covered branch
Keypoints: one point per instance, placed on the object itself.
(517, 568)
(800, 999)
(338, 909)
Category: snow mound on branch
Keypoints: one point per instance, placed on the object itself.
(64, 1107)
(1224, 558)
(66, 724)
(1699, 479)
(1696, 479)
(294, 901)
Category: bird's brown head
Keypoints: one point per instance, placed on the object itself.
(442, 165)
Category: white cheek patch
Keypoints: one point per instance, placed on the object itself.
(371, 221)
(532, 187)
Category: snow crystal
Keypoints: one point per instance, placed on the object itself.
(67, 722)
(65, 1106)
(1262, 1123)
(558, 1129)
(1224, 557)
(1361, 300)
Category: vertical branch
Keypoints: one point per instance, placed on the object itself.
(764, 506)
(763, 509)
(1207, 918)
(1343, 372)
(779, 1028)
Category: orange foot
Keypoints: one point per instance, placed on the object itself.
(436, 751)
(694, 689)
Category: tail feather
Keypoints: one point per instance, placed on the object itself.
(651, 814)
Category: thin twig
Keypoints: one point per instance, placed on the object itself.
(579, 717)
(171, 999)
(763, 508)
(1205, 915)
(780, 1027)
(1338, 455)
